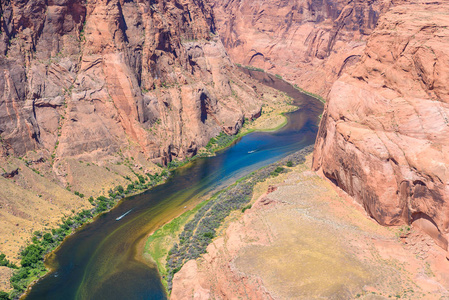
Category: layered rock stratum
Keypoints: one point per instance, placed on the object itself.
(93, 92)
(381, 65)
(384, 134)
(308, 42)
(95, 77)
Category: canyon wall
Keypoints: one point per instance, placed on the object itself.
(384, 133)
(91, 77)
(94, 92)
(381, 65)
(308, 42)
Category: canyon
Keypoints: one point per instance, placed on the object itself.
(94, 94)
(307, 42)
(381, 66)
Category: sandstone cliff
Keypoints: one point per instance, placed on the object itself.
(99, 76)
(93, 92)
(384, 134)
(308, 42)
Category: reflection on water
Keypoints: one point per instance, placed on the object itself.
(102, 261)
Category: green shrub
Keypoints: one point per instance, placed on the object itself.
(277, 171)
(102, 199)
(31, 255)
(79, 194)
(209, 235)
(6, 263)
(289, 164)
(141, 179)
(120, 189)
(4, 296)
(246, 207)
(48, 238)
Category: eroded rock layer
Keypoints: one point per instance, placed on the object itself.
(306, 41)
(93, 93)
(384, 134)
(93, 77)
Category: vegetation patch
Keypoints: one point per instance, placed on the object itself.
(251, 68)
(6, 263)
(159, 243)
(223, 141)
(310, 94)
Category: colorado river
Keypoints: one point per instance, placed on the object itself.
(103, 260)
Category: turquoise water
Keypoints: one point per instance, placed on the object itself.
(104, 261)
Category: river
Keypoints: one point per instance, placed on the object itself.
(104, 259)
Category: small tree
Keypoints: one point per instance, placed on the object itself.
(120, 189)
(4, 295)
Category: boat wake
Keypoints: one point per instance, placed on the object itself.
(119, 218)
(252, 151)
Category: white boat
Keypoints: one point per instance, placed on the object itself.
(252, 151)
(119, 218)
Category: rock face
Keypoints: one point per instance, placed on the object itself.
(93, 93)
(384, 134)
(306, 41)
(96, 77)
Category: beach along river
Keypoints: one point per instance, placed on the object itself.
(104, 259)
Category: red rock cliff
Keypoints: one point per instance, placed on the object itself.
(308, 42)
(95, 77)
(384, 136)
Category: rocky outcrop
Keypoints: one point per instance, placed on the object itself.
(11, 173)
(93, 78)
(306, 41)
(384, 134)
(279, 248)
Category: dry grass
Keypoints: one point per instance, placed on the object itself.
(5, 273)
(37, 199)
(31, 202)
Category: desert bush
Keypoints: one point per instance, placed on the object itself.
(5, 262)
